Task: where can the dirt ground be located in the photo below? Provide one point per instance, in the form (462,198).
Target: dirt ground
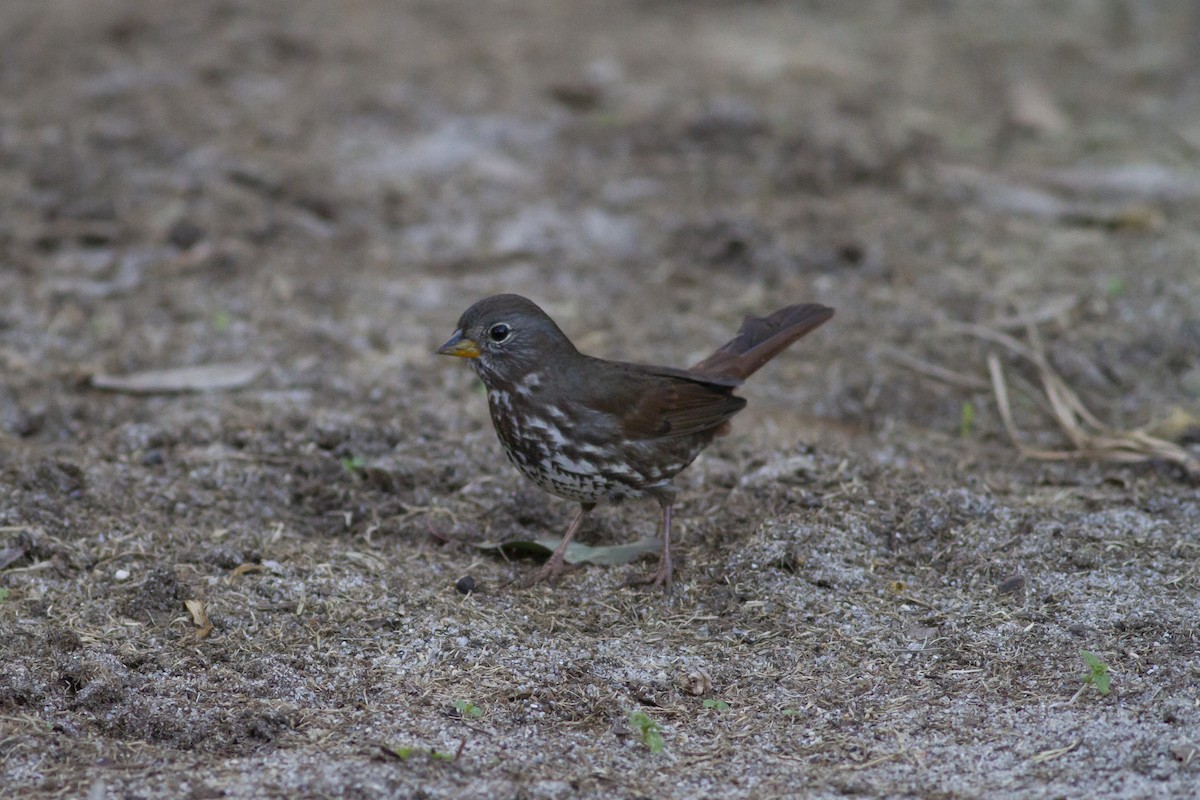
(876,594)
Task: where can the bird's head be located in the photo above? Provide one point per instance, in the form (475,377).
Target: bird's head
(506,336)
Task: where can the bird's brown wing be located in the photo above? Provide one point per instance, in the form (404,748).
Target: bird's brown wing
(661,402)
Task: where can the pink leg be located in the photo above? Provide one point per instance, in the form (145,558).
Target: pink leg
(554,566)
(661,576)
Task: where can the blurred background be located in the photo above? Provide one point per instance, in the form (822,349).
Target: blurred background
(323,189)
(293,201)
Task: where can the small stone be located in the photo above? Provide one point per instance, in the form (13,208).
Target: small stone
(1011,585)
(185,234)
(121,575)
(465,584)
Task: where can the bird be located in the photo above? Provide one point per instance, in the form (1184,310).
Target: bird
(592,430)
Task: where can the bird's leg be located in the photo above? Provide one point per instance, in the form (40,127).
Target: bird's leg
(554,566)
(661,576)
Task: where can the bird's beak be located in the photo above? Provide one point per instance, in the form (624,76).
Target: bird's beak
(460,346)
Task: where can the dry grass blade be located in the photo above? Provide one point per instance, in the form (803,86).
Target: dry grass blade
(1050,310)
(935,371)
(1091,438)
(1053,753)
(990,335)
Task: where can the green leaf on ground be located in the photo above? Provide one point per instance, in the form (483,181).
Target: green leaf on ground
(1097,674)
(467,709)
(609,555)
(401,752)
(407,751)
(647,730)
(966,420)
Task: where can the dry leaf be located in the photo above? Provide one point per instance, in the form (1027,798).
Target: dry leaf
(1179,423)
(1146,181)
(697,683)
(10,555)
(248,567)
(1032,107)
(199,618)
(206,378)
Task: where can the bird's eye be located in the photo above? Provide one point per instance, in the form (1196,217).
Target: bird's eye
(499,332)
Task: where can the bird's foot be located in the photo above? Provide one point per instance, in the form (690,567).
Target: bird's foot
(551,571)
(660,577)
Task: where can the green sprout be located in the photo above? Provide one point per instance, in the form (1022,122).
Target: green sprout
(221,321)
(466,708)
(719,705)
(1115,286)
(966,419)
(403,752)
(1097,674)
(353,463)
(3,595)
(407,751)
(648,730)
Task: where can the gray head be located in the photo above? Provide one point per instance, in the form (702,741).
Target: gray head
(506,336)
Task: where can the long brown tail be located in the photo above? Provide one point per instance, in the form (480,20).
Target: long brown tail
(762,338)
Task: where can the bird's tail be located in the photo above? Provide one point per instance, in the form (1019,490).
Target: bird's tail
(760,339)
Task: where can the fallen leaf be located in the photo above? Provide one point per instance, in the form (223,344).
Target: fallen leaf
(697,682)
(1184,752)
(199,618)
(610,555)
(205,378)
(1032,107)
(1180,423)
(1006,195)
(1146,181)
(11,554)
(789,469)
(919,633)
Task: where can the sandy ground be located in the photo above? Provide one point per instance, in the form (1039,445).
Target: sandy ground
(876,594)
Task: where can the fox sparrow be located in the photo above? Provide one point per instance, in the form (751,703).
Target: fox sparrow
(589,430)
